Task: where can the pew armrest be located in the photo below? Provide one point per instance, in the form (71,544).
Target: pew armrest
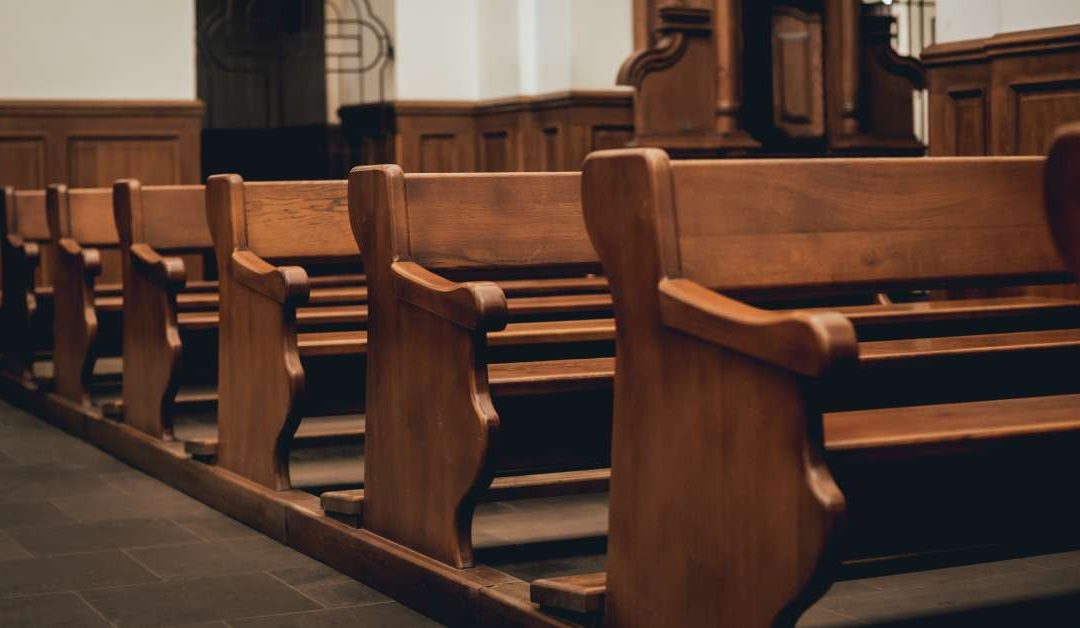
(31,251)
(287,285)
(475,305)
(802,342)
(168,272)
(89,257)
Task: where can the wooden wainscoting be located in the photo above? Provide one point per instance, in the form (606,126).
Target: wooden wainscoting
(93,143)
(531,133)
(1003,95)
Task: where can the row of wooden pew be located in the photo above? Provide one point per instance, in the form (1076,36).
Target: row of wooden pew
(711,341)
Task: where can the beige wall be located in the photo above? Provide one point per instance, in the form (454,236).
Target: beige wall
(972,19)
(97,49)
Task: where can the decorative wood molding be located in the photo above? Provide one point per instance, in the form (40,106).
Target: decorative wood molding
(90,143)
(677,25)
(545,132)
(1005,94)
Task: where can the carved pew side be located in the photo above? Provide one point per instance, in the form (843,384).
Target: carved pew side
(158,226)
(26,311)
(86,284)
(737,404)
(463,406)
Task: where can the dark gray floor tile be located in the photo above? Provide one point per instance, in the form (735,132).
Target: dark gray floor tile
(376,616)
(215,526)
(31,513)
(328,587)
(61,610)
(63,573)
(197,600)
(552,567)
(42,482)
(932,577)
(10,549)
(102,535)
(220,557)
(113,503)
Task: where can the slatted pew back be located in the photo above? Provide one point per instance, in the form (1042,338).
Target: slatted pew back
(846,223)
(25,216)
(431,420)
(503,221)
(86,216)
(299,221)
(716,402)
(169,218)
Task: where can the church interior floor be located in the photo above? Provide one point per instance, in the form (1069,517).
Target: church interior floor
(86,540)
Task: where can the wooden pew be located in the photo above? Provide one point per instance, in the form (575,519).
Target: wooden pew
(167,261)
(26,311)
(276,368)
(463,406)
(723,510)
(87,289)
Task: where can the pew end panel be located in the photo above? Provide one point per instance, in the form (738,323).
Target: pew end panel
(255,227)
(80,226)
(425,320)
(762,527)
(26,311)
(155,225)
(1060,190)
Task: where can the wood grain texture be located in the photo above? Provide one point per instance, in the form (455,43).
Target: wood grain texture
(154,223)
(435,395)
(73,214)
(92,143)
(751,562)
(1005,94)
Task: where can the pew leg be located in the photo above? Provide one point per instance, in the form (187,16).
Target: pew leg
(430,433)
(75,324)
(260,380)
(152,353)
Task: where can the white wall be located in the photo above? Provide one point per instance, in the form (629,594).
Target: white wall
(972,19)
(483,49)
(97,49)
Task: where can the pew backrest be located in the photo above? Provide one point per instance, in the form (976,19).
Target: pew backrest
(24,214)
(170,218)
(846,223)
(298,221)
(82,214)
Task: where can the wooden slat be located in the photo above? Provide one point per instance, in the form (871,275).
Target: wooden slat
(501,220)
(952,422)
(912,348)
(925,311)
(860,221)
(550,376)
(350,502)
(582,593)
(278,211)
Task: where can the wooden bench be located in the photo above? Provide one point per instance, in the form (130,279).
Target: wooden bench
(462,401)
(87,292)
(26,267)
(274,370)
(167,261)
(723,510)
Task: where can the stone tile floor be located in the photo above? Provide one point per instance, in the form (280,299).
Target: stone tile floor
(86,540)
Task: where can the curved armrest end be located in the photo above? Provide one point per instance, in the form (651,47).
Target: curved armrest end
(89,257)
(476,305)
(287,285)
(807,343)
(169,271)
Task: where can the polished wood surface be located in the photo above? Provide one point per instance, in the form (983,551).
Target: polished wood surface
(1005,94)
(432,343)
(155,224)
(548,132)
(746,393)
(89,143)
(730,77)
(84,234)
